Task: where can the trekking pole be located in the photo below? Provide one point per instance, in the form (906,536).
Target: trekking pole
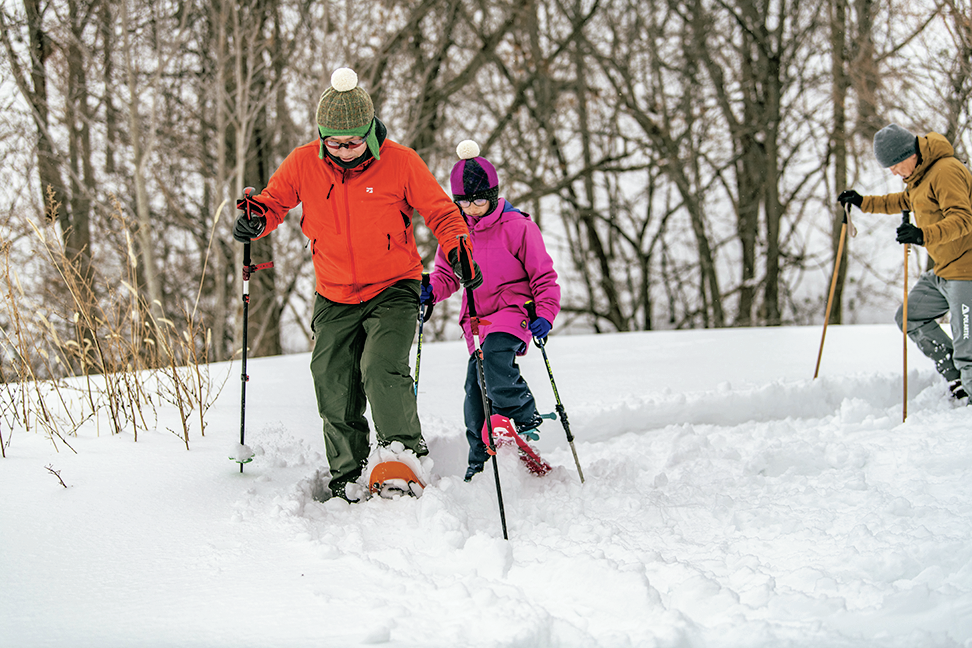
(248,269)
(423,316)
(465,263)
(833,286)
(561,412)
(905,216)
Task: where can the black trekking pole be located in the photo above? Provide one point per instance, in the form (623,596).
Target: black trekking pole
(465,262)
(424,314)
(561,412)
(248,269)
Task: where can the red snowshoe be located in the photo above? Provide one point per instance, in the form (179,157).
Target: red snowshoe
(504,433)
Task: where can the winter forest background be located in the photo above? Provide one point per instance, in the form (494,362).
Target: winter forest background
(682,157)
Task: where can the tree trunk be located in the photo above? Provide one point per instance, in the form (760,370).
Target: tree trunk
(838,31)
(53,193)
(585,209)
(141,144)
(77,234)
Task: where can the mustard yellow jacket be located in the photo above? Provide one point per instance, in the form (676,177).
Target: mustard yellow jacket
(939,194)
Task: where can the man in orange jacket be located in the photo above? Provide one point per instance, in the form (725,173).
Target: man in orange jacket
(358,192)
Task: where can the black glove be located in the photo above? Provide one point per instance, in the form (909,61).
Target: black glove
(246,229)
(475,281)
(251,223)
(908,233)
(850,197)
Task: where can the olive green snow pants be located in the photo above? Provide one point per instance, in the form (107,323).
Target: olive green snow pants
(361,352)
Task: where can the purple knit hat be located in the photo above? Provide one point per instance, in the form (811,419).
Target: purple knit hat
(473,177)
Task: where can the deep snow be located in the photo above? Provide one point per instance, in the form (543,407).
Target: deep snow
(731,500)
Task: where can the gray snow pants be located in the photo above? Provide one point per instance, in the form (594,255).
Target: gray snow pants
(930,298)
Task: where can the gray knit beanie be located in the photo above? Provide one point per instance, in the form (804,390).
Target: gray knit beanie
(893,144)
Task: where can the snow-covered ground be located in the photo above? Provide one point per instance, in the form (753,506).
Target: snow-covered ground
(731,500)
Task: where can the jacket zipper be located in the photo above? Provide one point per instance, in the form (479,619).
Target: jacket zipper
(347,221)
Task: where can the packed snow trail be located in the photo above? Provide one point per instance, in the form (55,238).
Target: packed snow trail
(743,505)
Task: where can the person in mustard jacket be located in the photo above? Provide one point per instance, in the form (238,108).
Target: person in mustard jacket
(938,191)
(359,191)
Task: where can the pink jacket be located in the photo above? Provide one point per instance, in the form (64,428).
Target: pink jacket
(516,268)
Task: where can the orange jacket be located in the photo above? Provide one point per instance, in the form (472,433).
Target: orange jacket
(359,221)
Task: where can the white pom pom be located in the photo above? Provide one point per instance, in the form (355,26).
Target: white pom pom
(344,79)
(467,150)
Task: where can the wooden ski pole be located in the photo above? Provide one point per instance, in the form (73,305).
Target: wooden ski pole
(833,286)
(905,215)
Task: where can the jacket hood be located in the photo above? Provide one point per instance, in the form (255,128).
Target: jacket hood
(933,147)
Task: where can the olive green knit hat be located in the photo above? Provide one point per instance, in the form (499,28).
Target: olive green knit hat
(345,109)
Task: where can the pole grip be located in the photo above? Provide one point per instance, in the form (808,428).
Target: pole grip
(466,265)
(247,194)
(465,259)
(905,216)
(425,310)
(531,309)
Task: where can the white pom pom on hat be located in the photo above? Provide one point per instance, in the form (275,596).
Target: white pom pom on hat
(467,150)
(344,79)
(473,175)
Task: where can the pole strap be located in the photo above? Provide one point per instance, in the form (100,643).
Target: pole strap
(253,267)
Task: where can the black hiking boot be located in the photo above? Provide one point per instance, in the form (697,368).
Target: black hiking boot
(957,390)
(349,491)
(474,469)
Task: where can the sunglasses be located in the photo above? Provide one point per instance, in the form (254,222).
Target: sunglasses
(350,144)
(479,202)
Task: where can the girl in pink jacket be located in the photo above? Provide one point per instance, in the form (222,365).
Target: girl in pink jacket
(516,268)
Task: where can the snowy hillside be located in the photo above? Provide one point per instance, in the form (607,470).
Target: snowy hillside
(730,500)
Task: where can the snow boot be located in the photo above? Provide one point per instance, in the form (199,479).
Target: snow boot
(957,390)
(529,430)
(473,470)
(349,491)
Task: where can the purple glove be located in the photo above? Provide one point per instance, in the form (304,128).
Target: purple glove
(540,327)
(427,297)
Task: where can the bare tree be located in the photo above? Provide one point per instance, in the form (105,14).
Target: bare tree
(31,78)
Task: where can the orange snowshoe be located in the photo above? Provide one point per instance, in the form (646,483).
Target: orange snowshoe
(391,478)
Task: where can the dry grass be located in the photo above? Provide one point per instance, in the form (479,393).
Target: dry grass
(86,349)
